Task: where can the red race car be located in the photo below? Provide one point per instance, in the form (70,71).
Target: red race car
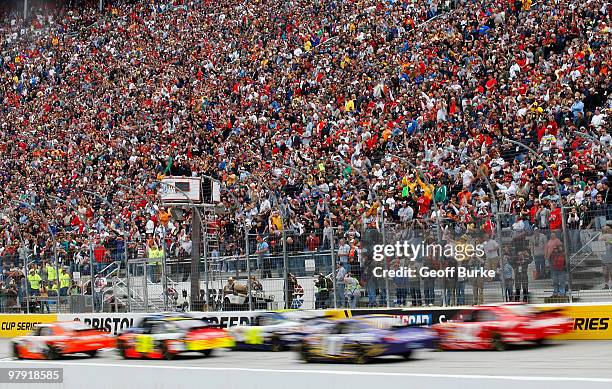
(493,327)
(51,341)
(166,336)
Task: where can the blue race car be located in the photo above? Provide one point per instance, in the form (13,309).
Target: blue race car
(362,338)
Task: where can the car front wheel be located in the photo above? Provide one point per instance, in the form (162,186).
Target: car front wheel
(166,354)
(52,353)
(497,343)
(305,352)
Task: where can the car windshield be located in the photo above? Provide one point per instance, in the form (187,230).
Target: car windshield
(382,322)
(267,320)
(520,309)
(189,324)
(75,326)
(463,316)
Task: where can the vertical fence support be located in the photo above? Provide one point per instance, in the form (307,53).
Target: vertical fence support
(127,275)
(285,268)
(195,259)
(91,277)
(248,265)
(146,286)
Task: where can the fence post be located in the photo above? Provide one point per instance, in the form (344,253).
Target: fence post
(91,277)
(146,286)
(127,274)
(248,264)
(333,258)
(285,268)
(384,241)
(567,254)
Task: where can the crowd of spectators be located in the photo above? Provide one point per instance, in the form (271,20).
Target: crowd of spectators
(393,110)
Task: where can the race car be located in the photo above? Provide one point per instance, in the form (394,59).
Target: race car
(494,327)
(166,336)
(52,341)
(272,331)
(360,339)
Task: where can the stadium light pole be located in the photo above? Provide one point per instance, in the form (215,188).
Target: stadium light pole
(329,219)
(199,229)
(339,160)
(125,249)
(246,237)
(283,234)
(534,153)
(195,279)
(495,211)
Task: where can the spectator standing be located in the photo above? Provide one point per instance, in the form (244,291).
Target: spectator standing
(556,257)
(263,257)
(340,286)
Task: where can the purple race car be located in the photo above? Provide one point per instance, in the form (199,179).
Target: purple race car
(363,338)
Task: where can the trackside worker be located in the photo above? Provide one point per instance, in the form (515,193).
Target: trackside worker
(64,282)
(156,253)
(51,273)
(34,280)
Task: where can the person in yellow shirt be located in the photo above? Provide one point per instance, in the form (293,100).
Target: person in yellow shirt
(428,189)
(64,282)
(164,216)
(34,279)
(51,273)
(349,106)
(276,220)
(154,252)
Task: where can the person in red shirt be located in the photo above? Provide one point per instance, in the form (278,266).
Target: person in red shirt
(555,221)
(313,242)
(423,203)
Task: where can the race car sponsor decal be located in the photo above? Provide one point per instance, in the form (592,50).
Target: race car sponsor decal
(418,317)
(253,335)
(144,344)
(590,321)
(21,324)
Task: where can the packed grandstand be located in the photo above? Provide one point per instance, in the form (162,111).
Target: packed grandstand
(330,124)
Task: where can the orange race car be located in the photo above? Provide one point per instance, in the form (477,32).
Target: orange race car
(51,341)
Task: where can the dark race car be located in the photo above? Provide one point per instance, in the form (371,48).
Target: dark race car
(360,339)
(493,327)
(166,336)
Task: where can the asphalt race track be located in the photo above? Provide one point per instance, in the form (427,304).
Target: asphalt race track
(569,364)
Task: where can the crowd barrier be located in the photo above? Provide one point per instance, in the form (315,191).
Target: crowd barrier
(591,321)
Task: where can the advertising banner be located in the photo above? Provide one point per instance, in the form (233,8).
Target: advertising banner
(590,321)
(21,324)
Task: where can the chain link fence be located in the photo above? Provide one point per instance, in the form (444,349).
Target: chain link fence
(445,262)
